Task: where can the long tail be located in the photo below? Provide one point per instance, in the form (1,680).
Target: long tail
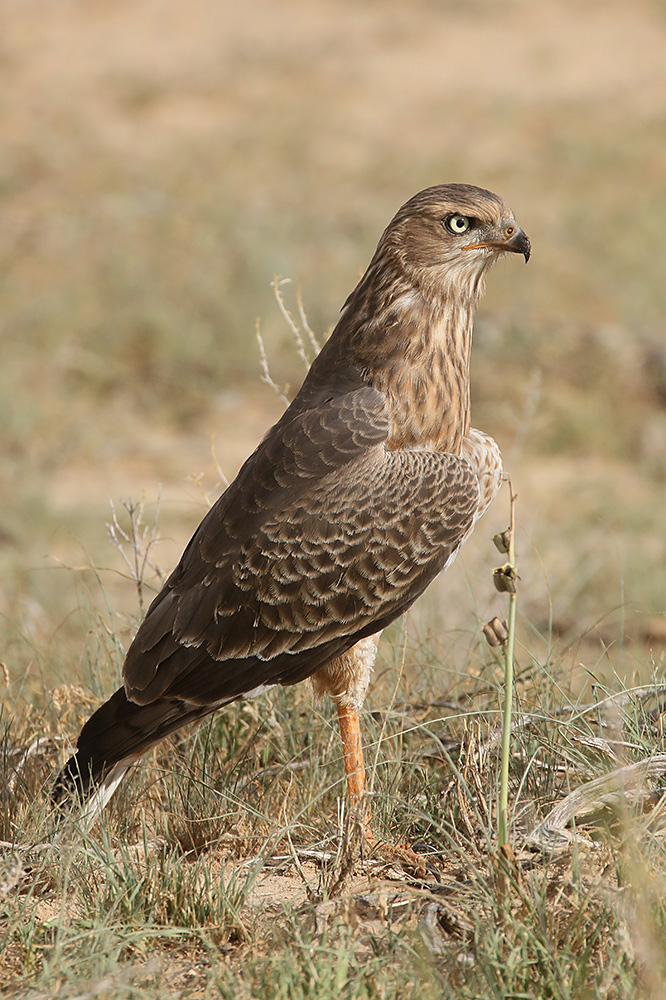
(112,738)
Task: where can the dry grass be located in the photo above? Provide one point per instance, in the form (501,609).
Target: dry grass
(226,866)
(217,870)
(161,162)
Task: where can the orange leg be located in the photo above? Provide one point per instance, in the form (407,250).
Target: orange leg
(352,748)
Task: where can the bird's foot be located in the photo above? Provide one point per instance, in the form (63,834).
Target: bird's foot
(402,856)
(362,842)
(397,855)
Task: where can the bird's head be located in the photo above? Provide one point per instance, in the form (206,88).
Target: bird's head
(446,237)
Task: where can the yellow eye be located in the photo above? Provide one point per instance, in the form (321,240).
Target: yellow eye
(457,224)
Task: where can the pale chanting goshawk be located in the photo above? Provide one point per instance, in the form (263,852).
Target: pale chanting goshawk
(354,501)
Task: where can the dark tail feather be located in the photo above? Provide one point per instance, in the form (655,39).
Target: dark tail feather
(118,730)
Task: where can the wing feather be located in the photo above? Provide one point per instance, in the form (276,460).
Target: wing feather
(324,537)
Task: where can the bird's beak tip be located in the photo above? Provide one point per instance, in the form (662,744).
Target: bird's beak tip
(519,243)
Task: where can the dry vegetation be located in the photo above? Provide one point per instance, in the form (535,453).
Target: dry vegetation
(160,163)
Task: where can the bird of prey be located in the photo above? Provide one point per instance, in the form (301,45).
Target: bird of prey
(351,505)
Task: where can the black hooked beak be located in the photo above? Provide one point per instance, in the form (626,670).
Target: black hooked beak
(518,243)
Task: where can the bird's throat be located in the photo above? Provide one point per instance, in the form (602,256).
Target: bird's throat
(424,376)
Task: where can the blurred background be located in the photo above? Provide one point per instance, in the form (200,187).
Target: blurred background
(161,162)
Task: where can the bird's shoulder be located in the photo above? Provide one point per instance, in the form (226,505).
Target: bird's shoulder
(322,431)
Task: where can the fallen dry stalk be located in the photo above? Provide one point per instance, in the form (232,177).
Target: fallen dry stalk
(616,791)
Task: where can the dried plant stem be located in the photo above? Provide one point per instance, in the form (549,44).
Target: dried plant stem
(298,336)
(140,541)
(503,820)
(265,372)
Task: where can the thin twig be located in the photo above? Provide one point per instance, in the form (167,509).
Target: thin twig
(314,343)
(265,373)
(140,539)
(503,828)
(298,336)
(223,478)
(312,896)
